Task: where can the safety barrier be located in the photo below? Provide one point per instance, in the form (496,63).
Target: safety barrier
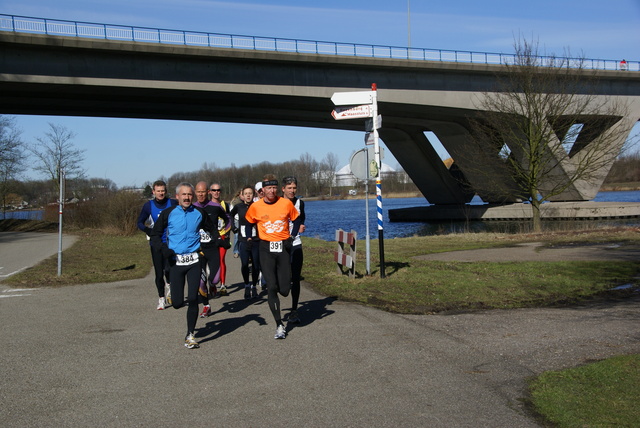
(346,243)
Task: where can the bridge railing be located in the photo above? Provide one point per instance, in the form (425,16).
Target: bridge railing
(55,27)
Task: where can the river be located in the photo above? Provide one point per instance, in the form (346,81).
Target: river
(324,217)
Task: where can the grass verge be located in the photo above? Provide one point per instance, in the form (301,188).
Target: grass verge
(95,257)
(416,286)
(601,394)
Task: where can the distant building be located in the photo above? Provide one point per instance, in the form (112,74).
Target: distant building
(344,177)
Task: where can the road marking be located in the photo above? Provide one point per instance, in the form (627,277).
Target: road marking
(10,292)
(12,273)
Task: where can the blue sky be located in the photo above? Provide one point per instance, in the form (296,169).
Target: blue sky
(114,147)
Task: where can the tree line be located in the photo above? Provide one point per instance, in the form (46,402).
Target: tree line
(315,178)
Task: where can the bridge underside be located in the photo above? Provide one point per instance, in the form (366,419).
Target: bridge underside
(75,77)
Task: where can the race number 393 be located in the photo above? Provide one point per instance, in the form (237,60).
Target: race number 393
(186,259)
(275,247)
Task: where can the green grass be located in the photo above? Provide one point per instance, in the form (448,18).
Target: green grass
(95,257)
(602,394)
(418,286)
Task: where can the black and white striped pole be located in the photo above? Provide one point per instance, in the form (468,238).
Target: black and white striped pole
(376,149)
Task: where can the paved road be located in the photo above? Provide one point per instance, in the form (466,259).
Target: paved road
(19,250)
(102,355)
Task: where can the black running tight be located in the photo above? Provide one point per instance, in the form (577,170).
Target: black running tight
(276,269)
(178,274)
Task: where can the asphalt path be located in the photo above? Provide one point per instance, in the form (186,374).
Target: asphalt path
(19,250)
(101,354)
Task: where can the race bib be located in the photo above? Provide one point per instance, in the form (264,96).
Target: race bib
(186,259)
(275,247)
(204,236)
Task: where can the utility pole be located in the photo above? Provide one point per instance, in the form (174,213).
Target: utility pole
(60,206)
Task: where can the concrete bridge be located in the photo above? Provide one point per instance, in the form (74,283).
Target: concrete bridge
(71,76)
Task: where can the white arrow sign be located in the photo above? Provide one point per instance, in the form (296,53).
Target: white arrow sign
(352,112)
(352,98)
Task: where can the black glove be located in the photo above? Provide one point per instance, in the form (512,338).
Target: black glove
(288,244)
(167,252)
(224,243)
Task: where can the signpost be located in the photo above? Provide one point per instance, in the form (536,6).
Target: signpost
(360,167)
(363,104)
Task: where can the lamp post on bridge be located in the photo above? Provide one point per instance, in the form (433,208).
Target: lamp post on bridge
(409,23)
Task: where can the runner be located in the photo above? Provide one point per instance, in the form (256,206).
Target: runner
(147,218)
(248,240)
(210,257)
(296,227)
(224,227)
(272,215)
(182,225)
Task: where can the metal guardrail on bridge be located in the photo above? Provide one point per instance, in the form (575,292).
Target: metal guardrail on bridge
(55,27)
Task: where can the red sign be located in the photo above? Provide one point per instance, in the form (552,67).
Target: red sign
(352,112)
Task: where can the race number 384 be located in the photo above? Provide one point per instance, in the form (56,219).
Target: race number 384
(186,259)
(275,247)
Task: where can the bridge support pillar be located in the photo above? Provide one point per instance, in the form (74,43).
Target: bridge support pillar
(413,151)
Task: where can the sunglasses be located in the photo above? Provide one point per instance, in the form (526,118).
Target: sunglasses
(215,190)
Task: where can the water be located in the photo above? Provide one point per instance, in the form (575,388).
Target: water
(324,217)
(622,196)
(24,214)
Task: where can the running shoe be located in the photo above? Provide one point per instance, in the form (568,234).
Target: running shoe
(280,332)
(206,311)
(213,292)
(190,341)
(160,304)
(167,294)
(254,292)
(223,290)
(247,293)
(293,317)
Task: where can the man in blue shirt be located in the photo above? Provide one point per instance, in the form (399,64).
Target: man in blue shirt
(147,218)
(182,225)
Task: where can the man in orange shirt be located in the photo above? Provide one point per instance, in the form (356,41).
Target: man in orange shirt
(272,215)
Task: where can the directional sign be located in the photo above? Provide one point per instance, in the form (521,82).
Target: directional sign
(352,112)
(352,98)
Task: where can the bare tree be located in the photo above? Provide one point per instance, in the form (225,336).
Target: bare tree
(305,169)
(11,156)
(544,134)
(328,167)
(56,152)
